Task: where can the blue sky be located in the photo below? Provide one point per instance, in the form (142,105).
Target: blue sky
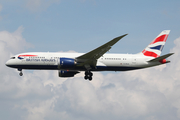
(82,25)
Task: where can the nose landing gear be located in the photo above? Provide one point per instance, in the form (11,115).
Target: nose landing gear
(88,75)
(21,74)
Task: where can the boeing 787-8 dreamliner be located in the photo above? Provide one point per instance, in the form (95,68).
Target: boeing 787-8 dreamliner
(69,64)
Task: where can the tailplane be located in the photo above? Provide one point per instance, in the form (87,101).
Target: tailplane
(154,49)
(161,59)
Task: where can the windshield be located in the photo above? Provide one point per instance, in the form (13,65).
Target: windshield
(12,58)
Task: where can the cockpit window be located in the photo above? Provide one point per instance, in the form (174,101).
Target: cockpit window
(12,57)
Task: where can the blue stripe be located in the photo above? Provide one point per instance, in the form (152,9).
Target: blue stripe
(159,47)
(54,67)
(38,67)
(112,68)
(20,58)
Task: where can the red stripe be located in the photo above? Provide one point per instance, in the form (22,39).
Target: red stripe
(161,38)
(151,54)
(27,55)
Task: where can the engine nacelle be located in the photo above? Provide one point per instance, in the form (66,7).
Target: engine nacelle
(65,73)
(66,63)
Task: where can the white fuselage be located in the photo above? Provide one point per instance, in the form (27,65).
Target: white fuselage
(69,64)
(108,62)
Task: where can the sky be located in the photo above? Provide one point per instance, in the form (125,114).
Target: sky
(80,26)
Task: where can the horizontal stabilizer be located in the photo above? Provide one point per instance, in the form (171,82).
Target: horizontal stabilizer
(161,58)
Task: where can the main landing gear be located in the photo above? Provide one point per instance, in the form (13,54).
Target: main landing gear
(21,74)
(88,75)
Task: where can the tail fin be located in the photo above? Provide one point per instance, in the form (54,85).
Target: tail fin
(154,49)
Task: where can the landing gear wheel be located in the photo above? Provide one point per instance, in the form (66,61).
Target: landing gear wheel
(21,74)
(85,77)
(90,78)
(88,75)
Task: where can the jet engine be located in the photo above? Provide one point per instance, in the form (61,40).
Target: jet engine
(66,63)
(65,73)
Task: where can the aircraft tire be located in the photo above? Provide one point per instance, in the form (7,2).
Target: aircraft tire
(90,78)
(86,77)
(21,74)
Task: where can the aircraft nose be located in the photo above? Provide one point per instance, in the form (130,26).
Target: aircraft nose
(8,63)
(11,63)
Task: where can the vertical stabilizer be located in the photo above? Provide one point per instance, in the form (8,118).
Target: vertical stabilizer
(154,49)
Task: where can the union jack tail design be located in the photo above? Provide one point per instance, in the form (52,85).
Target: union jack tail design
(154,49)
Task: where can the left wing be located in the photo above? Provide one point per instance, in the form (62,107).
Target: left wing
(89,59)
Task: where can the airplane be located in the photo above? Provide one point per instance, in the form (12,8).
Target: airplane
(70,64)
